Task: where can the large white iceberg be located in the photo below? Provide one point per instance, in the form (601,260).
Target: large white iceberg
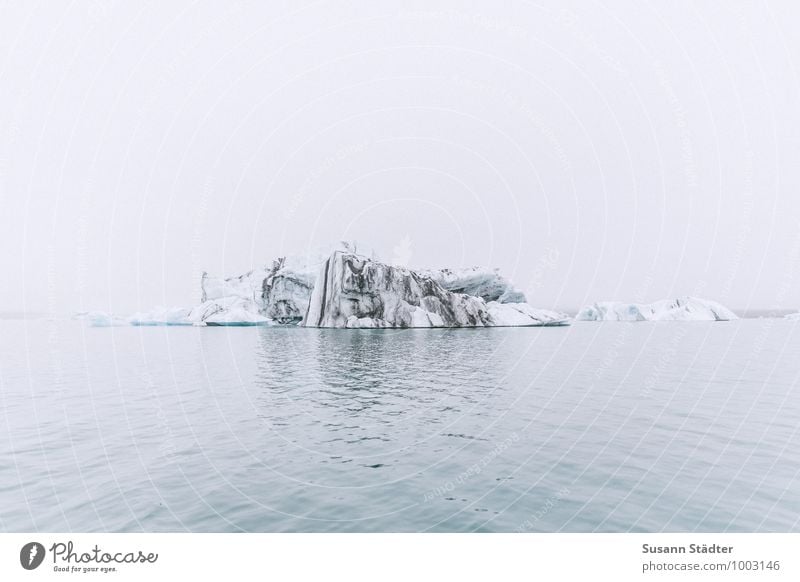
(681,309)
(792,317)
(354,291)
(348,289)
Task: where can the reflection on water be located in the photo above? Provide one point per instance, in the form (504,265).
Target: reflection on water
(608,427)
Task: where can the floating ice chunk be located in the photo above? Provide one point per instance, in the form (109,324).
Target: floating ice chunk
(102,319)
(682,309)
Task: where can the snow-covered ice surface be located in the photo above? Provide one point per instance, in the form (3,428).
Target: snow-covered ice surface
(682,309)
(355,291)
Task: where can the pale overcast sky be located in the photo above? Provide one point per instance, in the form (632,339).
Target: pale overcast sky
(591,150)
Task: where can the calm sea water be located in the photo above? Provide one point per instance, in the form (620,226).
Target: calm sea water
(594,427)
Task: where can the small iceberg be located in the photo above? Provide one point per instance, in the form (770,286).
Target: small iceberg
(681,309)
(101,319)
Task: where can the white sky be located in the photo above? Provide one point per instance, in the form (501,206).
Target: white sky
(614,150)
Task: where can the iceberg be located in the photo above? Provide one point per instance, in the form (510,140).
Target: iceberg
(792,317)
(353,291)
(681,309)
(101,319)
(350,290)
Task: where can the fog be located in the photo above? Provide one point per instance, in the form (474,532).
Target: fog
(591,151)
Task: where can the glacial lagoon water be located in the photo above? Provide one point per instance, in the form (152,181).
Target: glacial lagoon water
(595,427)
